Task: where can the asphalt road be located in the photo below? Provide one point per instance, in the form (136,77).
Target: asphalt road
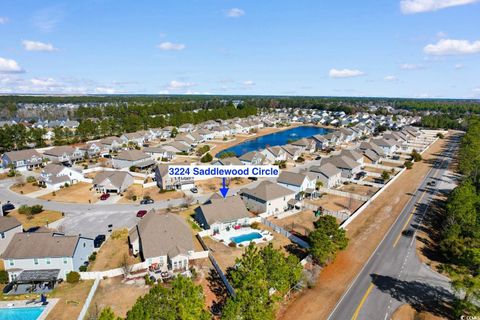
(394,275)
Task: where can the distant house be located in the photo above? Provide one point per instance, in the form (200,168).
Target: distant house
(186,127)
(353,154)
(388,146)
(267,197)
(22,160)
(253,158)
(328,174)
(92,149)
(112,143)
(9,226)
(223,213)
(167,182)
(159,153)
(274,154)
(137,138)
(112,181)
(55,176)
(227,161)
(178,147)
(163,240)
(297,182)
(348,166)
(63,154)
(293,152)
(321,142)
(133,158)
(60,254)
(306,144)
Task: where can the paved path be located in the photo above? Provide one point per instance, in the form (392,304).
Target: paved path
(393,275)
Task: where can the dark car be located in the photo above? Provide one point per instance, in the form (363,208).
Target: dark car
(147,201)
(105,196)
(97,242)
(408,233)
(318,158)
(141,213)
(194,190)
(432,183)
(8,207)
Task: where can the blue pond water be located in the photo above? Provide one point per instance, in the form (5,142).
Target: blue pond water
(31,313)
(275,139)
(246,237)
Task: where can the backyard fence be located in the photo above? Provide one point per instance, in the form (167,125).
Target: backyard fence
(344,194)
(86,305)
(342,215)
(285,233)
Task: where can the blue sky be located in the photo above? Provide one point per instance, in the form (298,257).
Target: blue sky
(396,48)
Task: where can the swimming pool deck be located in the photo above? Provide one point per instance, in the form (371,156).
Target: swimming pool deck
(225,236)
(23,304)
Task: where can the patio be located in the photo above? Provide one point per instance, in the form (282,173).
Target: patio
(225,236)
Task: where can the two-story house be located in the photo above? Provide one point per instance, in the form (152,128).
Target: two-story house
(22,160)
(167,182)
(9,226)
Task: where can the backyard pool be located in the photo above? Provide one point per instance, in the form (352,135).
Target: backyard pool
(29,313)
(246,237)
(276,139)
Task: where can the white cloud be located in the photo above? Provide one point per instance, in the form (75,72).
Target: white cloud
(248,83)
(345,73)
(179,85)
(459,66)
(9,66)
(417,6)
(235,13)
(390,78)
(44,82)
(4,20)
(105,90)
(452,47)
(47,18)
(411,66)
(169,46)
(37,46)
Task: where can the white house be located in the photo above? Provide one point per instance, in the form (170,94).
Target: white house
(348,166)
(267,198)
(297,182)
(328,174)
(9,226)
(132,158)
(55,176)
(33,251)
(112,181)
(163,240)
(274,154)
(64,154)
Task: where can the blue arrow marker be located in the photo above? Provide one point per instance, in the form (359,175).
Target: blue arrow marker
(224,189)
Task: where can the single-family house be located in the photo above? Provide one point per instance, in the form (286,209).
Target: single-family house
(388,146)
(112,143)
(133,158)
(220,214)
(112,181)
(163,240)
(136,138)
(329,175)
(178,147)
(293,152)
(168,182)
(186,127)
(275,154)
(29,252)
(306,144)
(159,153)
(92,149)
(267,198)
(354,154)
(22,160)
(63,154)
(253,158)
(227,162)
(56,176)
(300,183)
(321,142)
(347,165)
(9,226)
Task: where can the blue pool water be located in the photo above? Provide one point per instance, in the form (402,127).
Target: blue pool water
(246,237)
(30,313)
(276,139)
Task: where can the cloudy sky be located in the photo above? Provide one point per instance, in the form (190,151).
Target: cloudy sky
(396,48)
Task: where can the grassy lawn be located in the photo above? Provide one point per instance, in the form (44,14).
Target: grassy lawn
(153,192)
(117,295)
(81,192)
(37,220)
(72,297)
(113,252)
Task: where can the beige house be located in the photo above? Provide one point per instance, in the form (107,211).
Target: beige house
(268,197)
(167,182)
(112,181)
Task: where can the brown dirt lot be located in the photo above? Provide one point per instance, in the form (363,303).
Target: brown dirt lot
(38,220)
(336,203)
(25,188)
(365,233)
(214,184)
(116,294)
(153,192)
(392,164)
(72,297)
(77,193)
(301,222)
(359,189)
(406,312)
(375,170)
(113,252)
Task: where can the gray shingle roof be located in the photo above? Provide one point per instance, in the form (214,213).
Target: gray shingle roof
(224,209)
(267,190)
(8,223)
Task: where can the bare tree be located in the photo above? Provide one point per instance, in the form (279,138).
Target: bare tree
(126,266)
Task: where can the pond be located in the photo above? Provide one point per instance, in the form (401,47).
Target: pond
(276,139)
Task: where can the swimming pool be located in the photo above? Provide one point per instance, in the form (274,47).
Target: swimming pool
(246,237)
(29,313)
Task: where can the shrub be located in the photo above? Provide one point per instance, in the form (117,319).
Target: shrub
(73,277)
(300,160)
(3,276)
(440,135)
(148,281)
(36,208)
(255,225)
(232,244)
(134,197)
(24,209)
(66,185)
(416,156)
(92,257)
(83,268)
(11,173)
(408,164)
(132,169)
(206,158)
(31,179)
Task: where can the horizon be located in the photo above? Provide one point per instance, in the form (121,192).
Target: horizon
(404,49)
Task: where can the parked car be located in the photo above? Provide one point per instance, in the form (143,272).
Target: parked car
(105,196)
(194,190)
(147,201)
(7,207)
(141,213)
(97,242)
(432,183)
(408,232)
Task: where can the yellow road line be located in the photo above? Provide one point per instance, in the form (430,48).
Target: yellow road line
(364,298)
(407,222)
